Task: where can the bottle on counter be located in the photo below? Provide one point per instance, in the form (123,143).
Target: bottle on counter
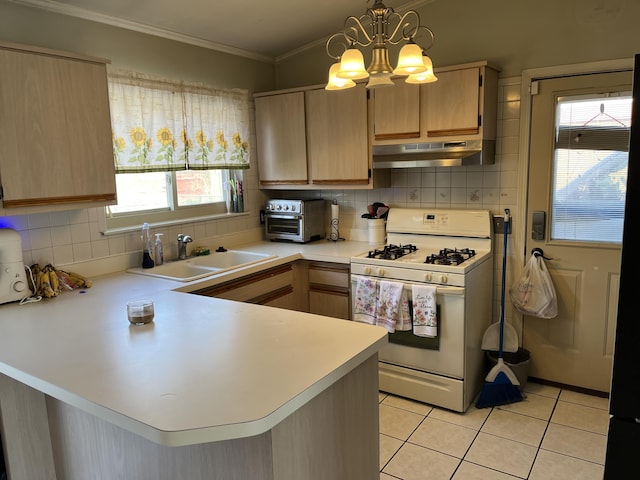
(158,252)
(147,261)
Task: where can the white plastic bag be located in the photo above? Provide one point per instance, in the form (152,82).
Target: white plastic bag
(534,294)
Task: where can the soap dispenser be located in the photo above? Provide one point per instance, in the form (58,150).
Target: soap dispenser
(158,252)
(147,261)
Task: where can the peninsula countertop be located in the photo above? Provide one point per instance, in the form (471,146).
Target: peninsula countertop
(204,370)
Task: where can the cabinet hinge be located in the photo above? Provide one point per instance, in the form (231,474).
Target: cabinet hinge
(479,120)
(1,192)
(369,173)
(480,82)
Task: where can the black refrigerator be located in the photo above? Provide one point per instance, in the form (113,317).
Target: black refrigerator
(623,443)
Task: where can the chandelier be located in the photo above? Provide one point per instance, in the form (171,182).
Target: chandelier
(378,28)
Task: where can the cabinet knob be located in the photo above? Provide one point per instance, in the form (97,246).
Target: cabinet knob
(444,279)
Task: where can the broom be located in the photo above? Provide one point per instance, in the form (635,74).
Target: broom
(501,385)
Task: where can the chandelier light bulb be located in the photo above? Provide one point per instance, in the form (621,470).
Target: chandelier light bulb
(352,65)
(425,77)
(410,60)
(336,83)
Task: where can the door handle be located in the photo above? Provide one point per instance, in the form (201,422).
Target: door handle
(538,225)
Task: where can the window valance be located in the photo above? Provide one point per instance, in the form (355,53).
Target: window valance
(163,125)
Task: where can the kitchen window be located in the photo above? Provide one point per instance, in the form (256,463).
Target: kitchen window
(179,150)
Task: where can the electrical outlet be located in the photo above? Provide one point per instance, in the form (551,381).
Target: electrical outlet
(498,224)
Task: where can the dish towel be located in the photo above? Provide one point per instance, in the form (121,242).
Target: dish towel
(425,321)
(364,308)
(404,322)
(388,308)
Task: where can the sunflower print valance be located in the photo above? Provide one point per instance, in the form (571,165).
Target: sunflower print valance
(160,125)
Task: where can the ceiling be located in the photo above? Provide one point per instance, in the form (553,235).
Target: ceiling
(262,29)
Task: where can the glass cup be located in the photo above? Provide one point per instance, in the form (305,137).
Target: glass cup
(140,312)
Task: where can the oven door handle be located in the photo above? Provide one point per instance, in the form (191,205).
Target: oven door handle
(440,290)
(286,217)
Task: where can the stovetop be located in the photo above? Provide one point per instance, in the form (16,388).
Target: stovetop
(446,256)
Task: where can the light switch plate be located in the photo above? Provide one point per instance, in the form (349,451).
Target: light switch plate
(498,224)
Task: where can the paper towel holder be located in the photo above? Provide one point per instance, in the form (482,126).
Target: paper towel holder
(334,235)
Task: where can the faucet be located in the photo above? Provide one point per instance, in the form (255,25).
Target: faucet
(182,245)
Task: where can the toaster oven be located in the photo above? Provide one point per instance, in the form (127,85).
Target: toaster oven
(298,221)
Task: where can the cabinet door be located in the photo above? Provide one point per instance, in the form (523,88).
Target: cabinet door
(55,130)
(281,139)
(451,105)
(337,136)
(261,287)
(396,111)
(329,290)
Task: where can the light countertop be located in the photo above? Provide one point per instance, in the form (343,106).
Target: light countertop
(206,369)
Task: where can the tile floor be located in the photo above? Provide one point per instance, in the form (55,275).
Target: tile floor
(552,434)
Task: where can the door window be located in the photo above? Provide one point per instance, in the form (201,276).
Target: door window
(590,167)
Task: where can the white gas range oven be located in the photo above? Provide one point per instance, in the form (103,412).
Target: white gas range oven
(451,250)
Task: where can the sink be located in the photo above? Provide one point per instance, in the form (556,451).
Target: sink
(229,259)
(195,268)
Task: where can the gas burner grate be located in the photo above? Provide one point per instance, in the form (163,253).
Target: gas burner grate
(450,256)
(392,252)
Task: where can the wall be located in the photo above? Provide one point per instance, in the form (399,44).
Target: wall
(73,236)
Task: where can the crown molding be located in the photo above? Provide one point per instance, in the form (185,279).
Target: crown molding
(78,12)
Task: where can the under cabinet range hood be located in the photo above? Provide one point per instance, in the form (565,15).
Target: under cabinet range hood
(435,154)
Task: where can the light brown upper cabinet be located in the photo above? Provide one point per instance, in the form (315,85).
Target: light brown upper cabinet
(55,130)
(311,138)
(397,111)
(338,151)
(281,139)
(461,105)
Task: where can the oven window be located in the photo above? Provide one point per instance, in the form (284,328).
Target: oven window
(283,225)
(408,339)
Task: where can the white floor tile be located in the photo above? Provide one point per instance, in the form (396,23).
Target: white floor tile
(514,426)
(384,476)
(553,466)
(583,399)
(472,418)
(501,454)
(444,437)
(471,471)
(406,404)
(388,448)
(413,462)
(397,422)
(578,416)
(536,406)
(575,443)
(544,390)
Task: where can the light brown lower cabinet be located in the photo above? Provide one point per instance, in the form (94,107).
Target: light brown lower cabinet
(329,289)
(274,287)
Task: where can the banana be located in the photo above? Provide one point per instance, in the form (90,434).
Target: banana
(53,279)
(46,285)
(38,288)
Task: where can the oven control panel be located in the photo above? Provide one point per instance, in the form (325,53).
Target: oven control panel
(435,219)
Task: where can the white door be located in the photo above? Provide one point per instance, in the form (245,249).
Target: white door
(577,182)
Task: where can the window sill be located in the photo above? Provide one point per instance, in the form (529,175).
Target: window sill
(219,216)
